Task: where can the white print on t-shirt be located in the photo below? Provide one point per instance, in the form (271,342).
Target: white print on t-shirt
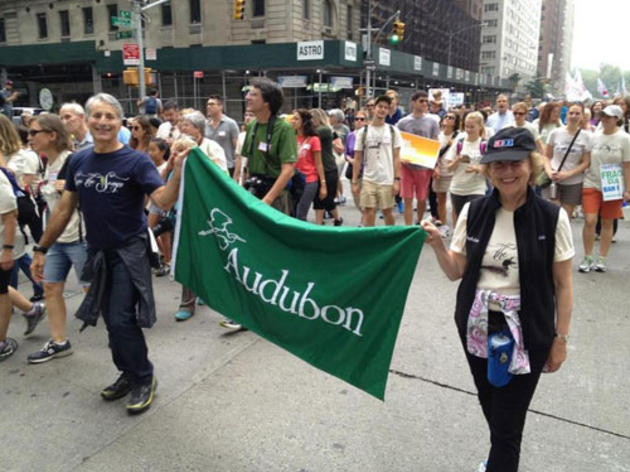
(108,183)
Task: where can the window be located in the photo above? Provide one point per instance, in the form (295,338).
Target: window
(491,23)
(88,20)
(3,34)
(306,9)
(167,15)
(64,20)
(491,7)
(259,8)
(349,21)
(112,10)
(488,54)
(489,39)
(195,11)
(328,13)
(42,25)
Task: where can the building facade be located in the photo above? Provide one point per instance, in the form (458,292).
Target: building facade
(197,48)
(433,28)
(556,38)
(509,38)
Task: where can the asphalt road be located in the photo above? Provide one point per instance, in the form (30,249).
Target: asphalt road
(234,402)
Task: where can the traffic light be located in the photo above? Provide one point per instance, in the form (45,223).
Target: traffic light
(399,30)
(239,9)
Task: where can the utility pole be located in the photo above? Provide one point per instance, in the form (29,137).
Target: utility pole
(139,7)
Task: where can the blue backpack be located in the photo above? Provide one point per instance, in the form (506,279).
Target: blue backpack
(150,106)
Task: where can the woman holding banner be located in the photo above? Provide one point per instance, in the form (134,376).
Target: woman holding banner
(513,251)
(604,181)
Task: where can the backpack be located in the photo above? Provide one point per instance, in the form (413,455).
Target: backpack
(150,106)
(482,146)
(364,139)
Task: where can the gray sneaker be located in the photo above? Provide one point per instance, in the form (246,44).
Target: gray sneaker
(7,348)
(50,350)
(586,265)
(230,324)
(33,317)
(600,266)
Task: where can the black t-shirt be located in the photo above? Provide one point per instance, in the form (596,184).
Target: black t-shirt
(326,137)
(111,189)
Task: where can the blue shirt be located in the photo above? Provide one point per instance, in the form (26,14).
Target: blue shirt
(497,121)
(111,189)
(124,135)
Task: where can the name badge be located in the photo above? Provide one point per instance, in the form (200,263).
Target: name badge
(222,133)
(262,146)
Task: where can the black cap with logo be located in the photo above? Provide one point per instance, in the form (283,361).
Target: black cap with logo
(509,144)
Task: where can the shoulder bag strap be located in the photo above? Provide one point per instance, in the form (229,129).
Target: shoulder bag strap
(566,154)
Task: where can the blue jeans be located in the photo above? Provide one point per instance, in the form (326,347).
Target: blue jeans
(24,264)
(126,340)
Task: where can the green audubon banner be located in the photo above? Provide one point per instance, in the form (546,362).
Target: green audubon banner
(334,297)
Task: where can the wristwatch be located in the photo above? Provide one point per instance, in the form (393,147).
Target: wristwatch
(41,249)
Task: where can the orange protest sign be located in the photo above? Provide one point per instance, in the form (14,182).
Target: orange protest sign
(419,150)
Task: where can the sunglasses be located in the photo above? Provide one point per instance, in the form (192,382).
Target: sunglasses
(423,100)
(34,132)
(519,113)
(136,128)
(370,105)
(359,119)
(449,117)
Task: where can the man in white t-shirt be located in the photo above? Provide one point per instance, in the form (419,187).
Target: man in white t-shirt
(381,175)
(168,129)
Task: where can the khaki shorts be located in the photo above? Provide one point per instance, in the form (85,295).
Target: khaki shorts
(442,184)
(376,195)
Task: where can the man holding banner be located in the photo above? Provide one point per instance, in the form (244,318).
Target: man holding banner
(414,178)
(110,181)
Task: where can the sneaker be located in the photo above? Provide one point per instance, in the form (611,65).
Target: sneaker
(50,350)
(183,315)
(33,317)
(600,266)
(230,324)
(586,265)
(163,270)
(401,207)
(120,388)
(338,222)
(7,348)
(37,298)
(141,397)
(482,467)
(341,200)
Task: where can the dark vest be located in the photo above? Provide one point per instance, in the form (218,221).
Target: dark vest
(535,227)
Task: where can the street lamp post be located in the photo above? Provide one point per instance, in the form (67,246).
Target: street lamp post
(139,7)
(453,33)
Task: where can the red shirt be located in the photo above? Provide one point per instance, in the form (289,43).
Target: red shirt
(306,159)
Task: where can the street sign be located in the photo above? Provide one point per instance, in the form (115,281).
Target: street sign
(124,34)
(310,50)
(118,21)
(198,74)
(131,54)
(150,54)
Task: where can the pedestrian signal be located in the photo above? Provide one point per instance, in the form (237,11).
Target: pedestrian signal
(239,9)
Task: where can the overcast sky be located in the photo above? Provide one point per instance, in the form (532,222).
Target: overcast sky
(598,23)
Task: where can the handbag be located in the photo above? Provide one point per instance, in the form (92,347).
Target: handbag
(543,180)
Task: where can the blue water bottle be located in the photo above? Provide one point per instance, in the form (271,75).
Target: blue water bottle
(500,347)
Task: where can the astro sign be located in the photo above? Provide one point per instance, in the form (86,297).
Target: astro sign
(310,50)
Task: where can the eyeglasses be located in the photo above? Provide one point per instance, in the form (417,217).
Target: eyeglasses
(370,105)
(423,100)
(449,117)
(33,132)
(519,113)
(358,118)
(136,128)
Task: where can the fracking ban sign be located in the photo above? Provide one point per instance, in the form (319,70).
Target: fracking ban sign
(332,296)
